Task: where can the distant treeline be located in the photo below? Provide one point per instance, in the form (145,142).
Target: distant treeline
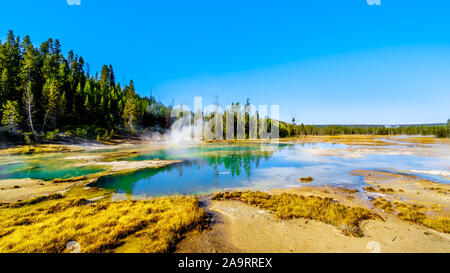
(43,92)
(291,130)
(294,130)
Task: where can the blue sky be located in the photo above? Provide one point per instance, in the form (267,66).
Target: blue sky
(322,61)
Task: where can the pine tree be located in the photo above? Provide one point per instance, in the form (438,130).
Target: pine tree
(11,63)
(130,111)
(111,78)
(11,117)
(51,97)
(104,78)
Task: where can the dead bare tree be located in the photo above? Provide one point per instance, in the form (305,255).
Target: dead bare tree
(29,102)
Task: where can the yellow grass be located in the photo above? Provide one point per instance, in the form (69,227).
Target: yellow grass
(342,139)
(414,213)
(47,225)
(349,191)
(423,140)
(37,149)
(436,189)
(380,189)
(308,179)
(289,206)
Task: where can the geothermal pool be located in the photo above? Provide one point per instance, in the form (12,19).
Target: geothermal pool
(207,168)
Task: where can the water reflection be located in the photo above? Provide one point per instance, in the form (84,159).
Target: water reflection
(208,168)
(203,169)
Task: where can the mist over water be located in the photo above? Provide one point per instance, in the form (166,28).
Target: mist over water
(185,133)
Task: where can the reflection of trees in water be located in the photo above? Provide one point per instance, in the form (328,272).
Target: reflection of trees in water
(190,163)
(235,159)
(126,182)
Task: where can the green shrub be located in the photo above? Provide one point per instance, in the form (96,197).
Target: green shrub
(28,138)
(52,135)
(81,132)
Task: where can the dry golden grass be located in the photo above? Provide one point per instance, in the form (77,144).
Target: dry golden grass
(47,225)
(383,204)
(379,189)
(32,201)
(289,206)
(422,140)
(37,149)
(308,179)
(436,189)
(349,191)
(414,213)
(371,140)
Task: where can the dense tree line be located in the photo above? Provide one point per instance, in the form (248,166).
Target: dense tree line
(42,91)
(293,130)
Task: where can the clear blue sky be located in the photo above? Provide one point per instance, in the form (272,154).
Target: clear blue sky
(322,61)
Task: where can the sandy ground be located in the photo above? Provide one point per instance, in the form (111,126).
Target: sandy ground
(116,166)
(409,188)
(247,229)
(13,190)
(238,227)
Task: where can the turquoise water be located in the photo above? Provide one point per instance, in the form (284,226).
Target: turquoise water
(209,168)
(43,167)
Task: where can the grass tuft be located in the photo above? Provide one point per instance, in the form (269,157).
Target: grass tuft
(36,149)
(308,179)
(349,191)
(32,201)
(380,189)
(414,213)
